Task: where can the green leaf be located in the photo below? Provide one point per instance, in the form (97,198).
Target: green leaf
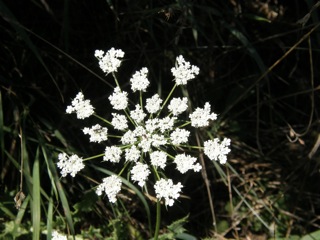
(36,198)
(88,201)
(16,229)
(62,196)
(50,218)
(312,236)
(1,129)
(177,226)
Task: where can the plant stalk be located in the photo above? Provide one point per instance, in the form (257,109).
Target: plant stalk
(156,232)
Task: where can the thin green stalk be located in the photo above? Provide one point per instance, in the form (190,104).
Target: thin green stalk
(93,157)
(115,79)
(102,119)
(167,99)
(158,219)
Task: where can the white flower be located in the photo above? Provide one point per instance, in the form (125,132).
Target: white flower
(140,173)
(132,154)
(217,150)
(167,190)
(119,121)
(186,162)
(128,138)
(119,100)
(158,140)
(137,115)
(201,116)
(110,61)
(97,133)
(98,54)
(158,159)
(139,80)
(112,154)
(58,236)
(69,164)
(111,186)
(82,107)
(145,143)
(140,131)
(184,71)
(153,104)
(166,123)
(179,136)
(178,105)
(152,124)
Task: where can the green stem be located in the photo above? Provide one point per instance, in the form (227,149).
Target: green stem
(156,232)
(167,99)
(115,79)
(102,119)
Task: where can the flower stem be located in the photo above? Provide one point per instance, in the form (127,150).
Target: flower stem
(158,219)
(168,97)
(102,119)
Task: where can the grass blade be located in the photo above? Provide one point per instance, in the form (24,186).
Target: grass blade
(62,196)
(36,198)
(50,218)
(1,128)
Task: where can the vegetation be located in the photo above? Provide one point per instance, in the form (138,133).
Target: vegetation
(258,65)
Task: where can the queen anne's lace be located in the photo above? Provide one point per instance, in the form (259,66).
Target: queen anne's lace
(140,173)
(158,159)
(80,106)
(217,150)
(148,137)
(153,104)
(111,186)
(167,190)
(97,133)
(178,105)
(201,116)
(112,154)
(69,164)
(139,80)
(184,71)
(118,99)
(186,162)
(109,61)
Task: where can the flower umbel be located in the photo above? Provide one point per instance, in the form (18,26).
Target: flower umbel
(149,134)
(201,116)
(119,99)
(184,71)
(139,80)
(186,162)
(69,165)
(140,173)
(80,106)
(167,190)
(217,150)
(97,133)
(109,61)
(111,186)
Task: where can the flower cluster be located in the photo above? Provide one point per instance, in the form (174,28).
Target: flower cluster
(69,164)
(145,133)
